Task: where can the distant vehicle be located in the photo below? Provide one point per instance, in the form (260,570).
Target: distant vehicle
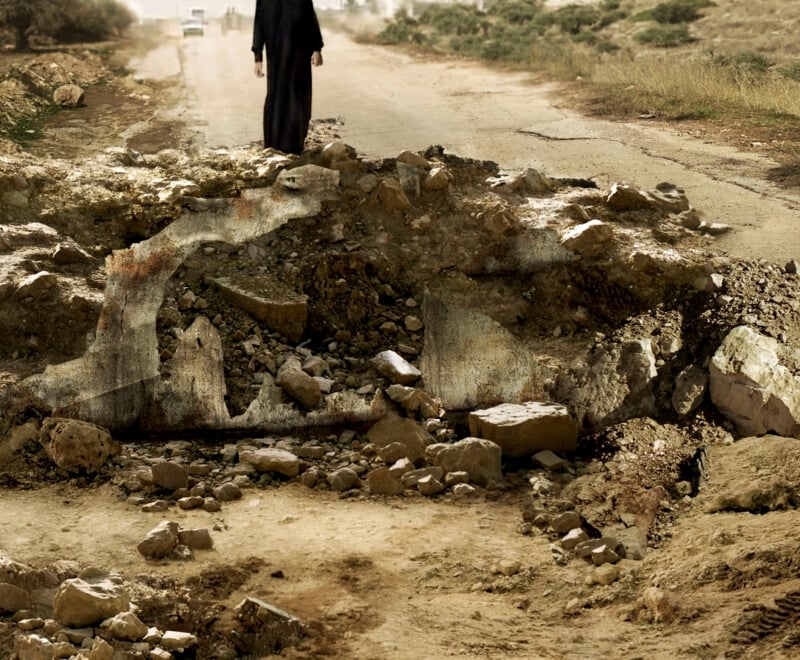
(198,12)
(193,26)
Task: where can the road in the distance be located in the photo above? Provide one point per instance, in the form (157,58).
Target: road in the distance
(391,101)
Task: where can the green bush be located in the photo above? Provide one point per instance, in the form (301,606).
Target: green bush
(402,30)
(664,36)
(453,19)
(517,11)
(674,11)
(89,20)
(572,18)
(746,62)
(791,70)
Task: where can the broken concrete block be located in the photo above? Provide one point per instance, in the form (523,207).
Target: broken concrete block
(282,311)
(523,429)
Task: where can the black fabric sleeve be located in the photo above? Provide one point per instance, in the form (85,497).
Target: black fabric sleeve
(315,35)
(258,33)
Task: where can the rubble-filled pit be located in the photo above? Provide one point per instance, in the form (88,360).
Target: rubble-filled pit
(656,533)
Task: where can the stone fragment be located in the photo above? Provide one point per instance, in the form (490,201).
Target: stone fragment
(401,467)
(565,522)
(211,505)
(66,254)
(573,537)
(125,626)
(392,452)
(584,550)
(196,539)
(298,384)
(155,507)
(661,606)
(606,574)
(585,238)
(68,96)
(170,475)
(412,478)
(478,457)
(381,482)
(548,460)
(690,389)
(438,179)
(409,176)
(464,491)
(266,628)
(603,555)
(344,479)
(13,598)
(33,647)
(396,368)
(80,602)
(190,502)
(429,485)
(414,400)
(159,541)
(458,477)
(271,459)
(391,428)
(315,366)
(228,492)
(30,624)
(523,429)
(792,267)
(753,385)
(160,654)
(413,159)
(391,195)
(173,640)
(75,445)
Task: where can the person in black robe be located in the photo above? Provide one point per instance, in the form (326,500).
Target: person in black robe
(290,32)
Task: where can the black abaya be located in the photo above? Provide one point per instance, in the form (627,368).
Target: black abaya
(290,31)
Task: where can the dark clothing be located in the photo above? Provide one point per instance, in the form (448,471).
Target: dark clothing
(290,31)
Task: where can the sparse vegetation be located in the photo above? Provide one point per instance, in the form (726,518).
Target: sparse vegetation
(637,56)
(664,36)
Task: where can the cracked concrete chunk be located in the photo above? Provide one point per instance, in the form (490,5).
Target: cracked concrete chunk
(524,429)
(283,311)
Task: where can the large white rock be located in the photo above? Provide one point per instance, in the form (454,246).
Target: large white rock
(751,387)
(524,429)
(81,603)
